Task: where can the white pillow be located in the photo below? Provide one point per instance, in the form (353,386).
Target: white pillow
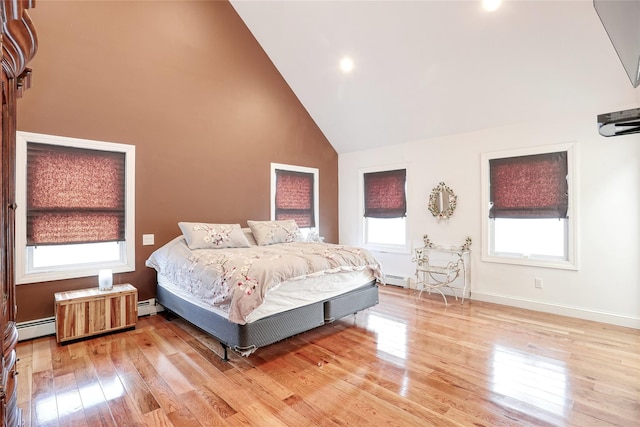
(270,232)
(213,236)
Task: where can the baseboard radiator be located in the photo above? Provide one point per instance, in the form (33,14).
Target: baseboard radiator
(47,326)
(391,279)
(149,307)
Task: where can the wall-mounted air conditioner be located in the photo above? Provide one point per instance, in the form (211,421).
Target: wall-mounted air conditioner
(619,123)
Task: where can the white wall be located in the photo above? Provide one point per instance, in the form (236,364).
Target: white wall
(606,286)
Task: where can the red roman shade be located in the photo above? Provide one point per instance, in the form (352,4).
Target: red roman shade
(295,197)
(74,195)
(531,187)
(384,194)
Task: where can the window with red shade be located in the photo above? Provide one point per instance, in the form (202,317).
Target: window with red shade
(77,200)
(74,195)
(384,194)
(528,209)
(385,209)
(531,186)
(294,195)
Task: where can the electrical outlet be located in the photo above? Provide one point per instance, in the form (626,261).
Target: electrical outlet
(538,283)
(148,239)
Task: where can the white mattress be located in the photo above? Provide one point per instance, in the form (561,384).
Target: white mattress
(289,294)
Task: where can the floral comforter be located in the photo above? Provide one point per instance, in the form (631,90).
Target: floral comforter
(237,279)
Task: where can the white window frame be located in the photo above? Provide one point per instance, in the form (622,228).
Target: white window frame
(571,263)
(25,274)
(316,192)
(379,247)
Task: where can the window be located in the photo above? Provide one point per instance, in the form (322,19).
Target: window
(385,209)
(528,207)
(77,215)
(294,195)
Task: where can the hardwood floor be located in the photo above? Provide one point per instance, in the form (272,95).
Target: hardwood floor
(405,362)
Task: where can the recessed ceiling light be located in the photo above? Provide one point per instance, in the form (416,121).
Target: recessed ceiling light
(491,5)
(346,64)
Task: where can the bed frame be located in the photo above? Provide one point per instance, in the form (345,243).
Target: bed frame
(245,339)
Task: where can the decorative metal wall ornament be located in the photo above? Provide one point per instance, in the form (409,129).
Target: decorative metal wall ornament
(442,201)
(467,245)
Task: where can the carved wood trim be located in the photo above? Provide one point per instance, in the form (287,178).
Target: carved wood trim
(19,43)
(19,38)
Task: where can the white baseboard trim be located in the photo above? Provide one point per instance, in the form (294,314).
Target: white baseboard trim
(563,310)
(47,326)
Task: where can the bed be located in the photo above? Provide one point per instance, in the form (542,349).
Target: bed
(251,287)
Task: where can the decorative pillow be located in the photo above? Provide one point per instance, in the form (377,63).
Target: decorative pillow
(270,232)
(213,236)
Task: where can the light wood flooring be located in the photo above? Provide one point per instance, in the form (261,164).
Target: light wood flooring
(405,362)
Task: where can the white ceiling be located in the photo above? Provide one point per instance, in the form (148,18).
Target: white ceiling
(431,68)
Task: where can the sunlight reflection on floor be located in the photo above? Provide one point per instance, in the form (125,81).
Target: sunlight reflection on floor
(530,378)
(392,335)
(112,388)
(391,343)
(45,410)
(76,400)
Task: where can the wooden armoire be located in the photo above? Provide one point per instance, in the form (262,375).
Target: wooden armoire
(19,43)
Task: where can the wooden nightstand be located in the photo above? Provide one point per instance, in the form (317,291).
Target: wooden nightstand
(88,312)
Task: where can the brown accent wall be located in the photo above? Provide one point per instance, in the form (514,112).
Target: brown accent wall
(189,86)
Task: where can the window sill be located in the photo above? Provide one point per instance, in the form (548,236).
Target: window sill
(71,273)
(394,249)
(532,262)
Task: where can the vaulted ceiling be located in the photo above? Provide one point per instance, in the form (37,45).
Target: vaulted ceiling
(425,69)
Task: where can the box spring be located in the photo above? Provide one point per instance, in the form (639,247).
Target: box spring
(349,303)
(248,337)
